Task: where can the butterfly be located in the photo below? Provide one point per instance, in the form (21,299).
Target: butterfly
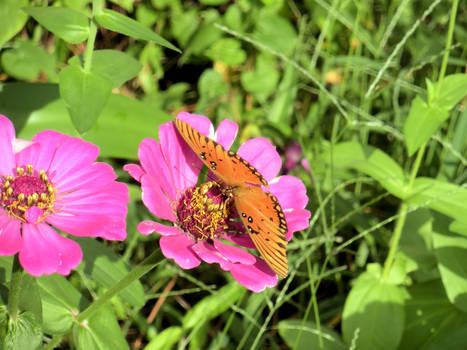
(259,211)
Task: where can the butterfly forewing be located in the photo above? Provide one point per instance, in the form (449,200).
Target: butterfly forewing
(226,165)
(264,220)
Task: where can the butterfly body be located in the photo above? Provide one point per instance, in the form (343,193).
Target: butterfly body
(259,211)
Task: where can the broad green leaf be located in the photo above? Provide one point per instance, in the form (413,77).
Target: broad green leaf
(61,302)
(26,61)
(184,25)
(69,25)
(125,25)
(211,87)
(373,316)
(166,339)
(451,251)
(30,298)
(416,241)
(105,267)
(234,18)
(100,331)
(422,123)
(275,32)
(227,51)
(459,227)
(85,95)
(124,122)
(429,316)
(213,2)
(308,333)
(454,339)
(206,35)
(213,305)
(447,198)
(118,67)
(261,82)
(24,332)
(370,161)
(451,90)
(12,18)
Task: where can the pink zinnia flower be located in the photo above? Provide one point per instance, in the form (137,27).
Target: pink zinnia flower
(294,156)
(55,181)
(203,228)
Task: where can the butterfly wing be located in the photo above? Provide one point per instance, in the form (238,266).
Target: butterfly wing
(226,165)
(264,220)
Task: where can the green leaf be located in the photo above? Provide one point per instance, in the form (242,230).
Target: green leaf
(213,2)
(100,331)
(85,95)
(106,268)
(454,339)
(124,122)
(444,197)
(429,316)
(206,35)
(422,123)
(184,25)
(373,316)
(228,51)
(125,25)
(283,105)
(24,332)
(69,25)
(26,61)
(308,333)
(451,90)
(30,298)
(61,302)
(12,18)
(275,32)
(211,88)
(416,242)
(261,82)
(116,66)
(451,251)
(213,305)
(370,161)
(166,339)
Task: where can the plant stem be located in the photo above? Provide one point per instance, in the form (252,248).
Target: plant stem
(144,267)
(452,21)
(13,294)
(91,38)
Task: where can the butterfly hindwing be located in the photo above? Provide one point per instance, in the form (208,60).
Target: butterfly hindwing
(264,220)
(227,166)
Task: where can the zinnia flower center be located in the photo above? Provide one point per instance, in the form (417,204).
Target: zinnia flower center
(203,212)
(29,196)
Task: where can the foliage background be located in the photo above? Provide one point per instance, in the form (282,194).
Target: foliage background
(367,90)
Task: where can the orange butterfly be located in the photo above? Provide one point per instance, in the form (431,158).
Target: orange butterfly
(259,211)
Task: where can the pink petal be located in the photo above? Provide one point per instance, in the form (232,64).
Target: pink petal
(226,133)
(10,238)
(183,164)
(210,254)
(260,153)
(290,191)
(254,277)
(147,227)
(135,171)
(157,201)
(7,136)
(243,240)
(45,251)
(19,144)
(198,122)
(179,248)
(234,254)
(297,219)
(155,164)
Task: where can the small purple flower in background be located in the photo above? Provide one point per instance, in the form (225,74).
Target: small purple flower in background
(54,180)
(203,228)
(294,156)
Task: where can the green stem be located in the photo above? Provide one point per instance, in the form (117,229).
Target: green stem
(144,267)
(402,216)
(452,21)
(15,283)
(96,7)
